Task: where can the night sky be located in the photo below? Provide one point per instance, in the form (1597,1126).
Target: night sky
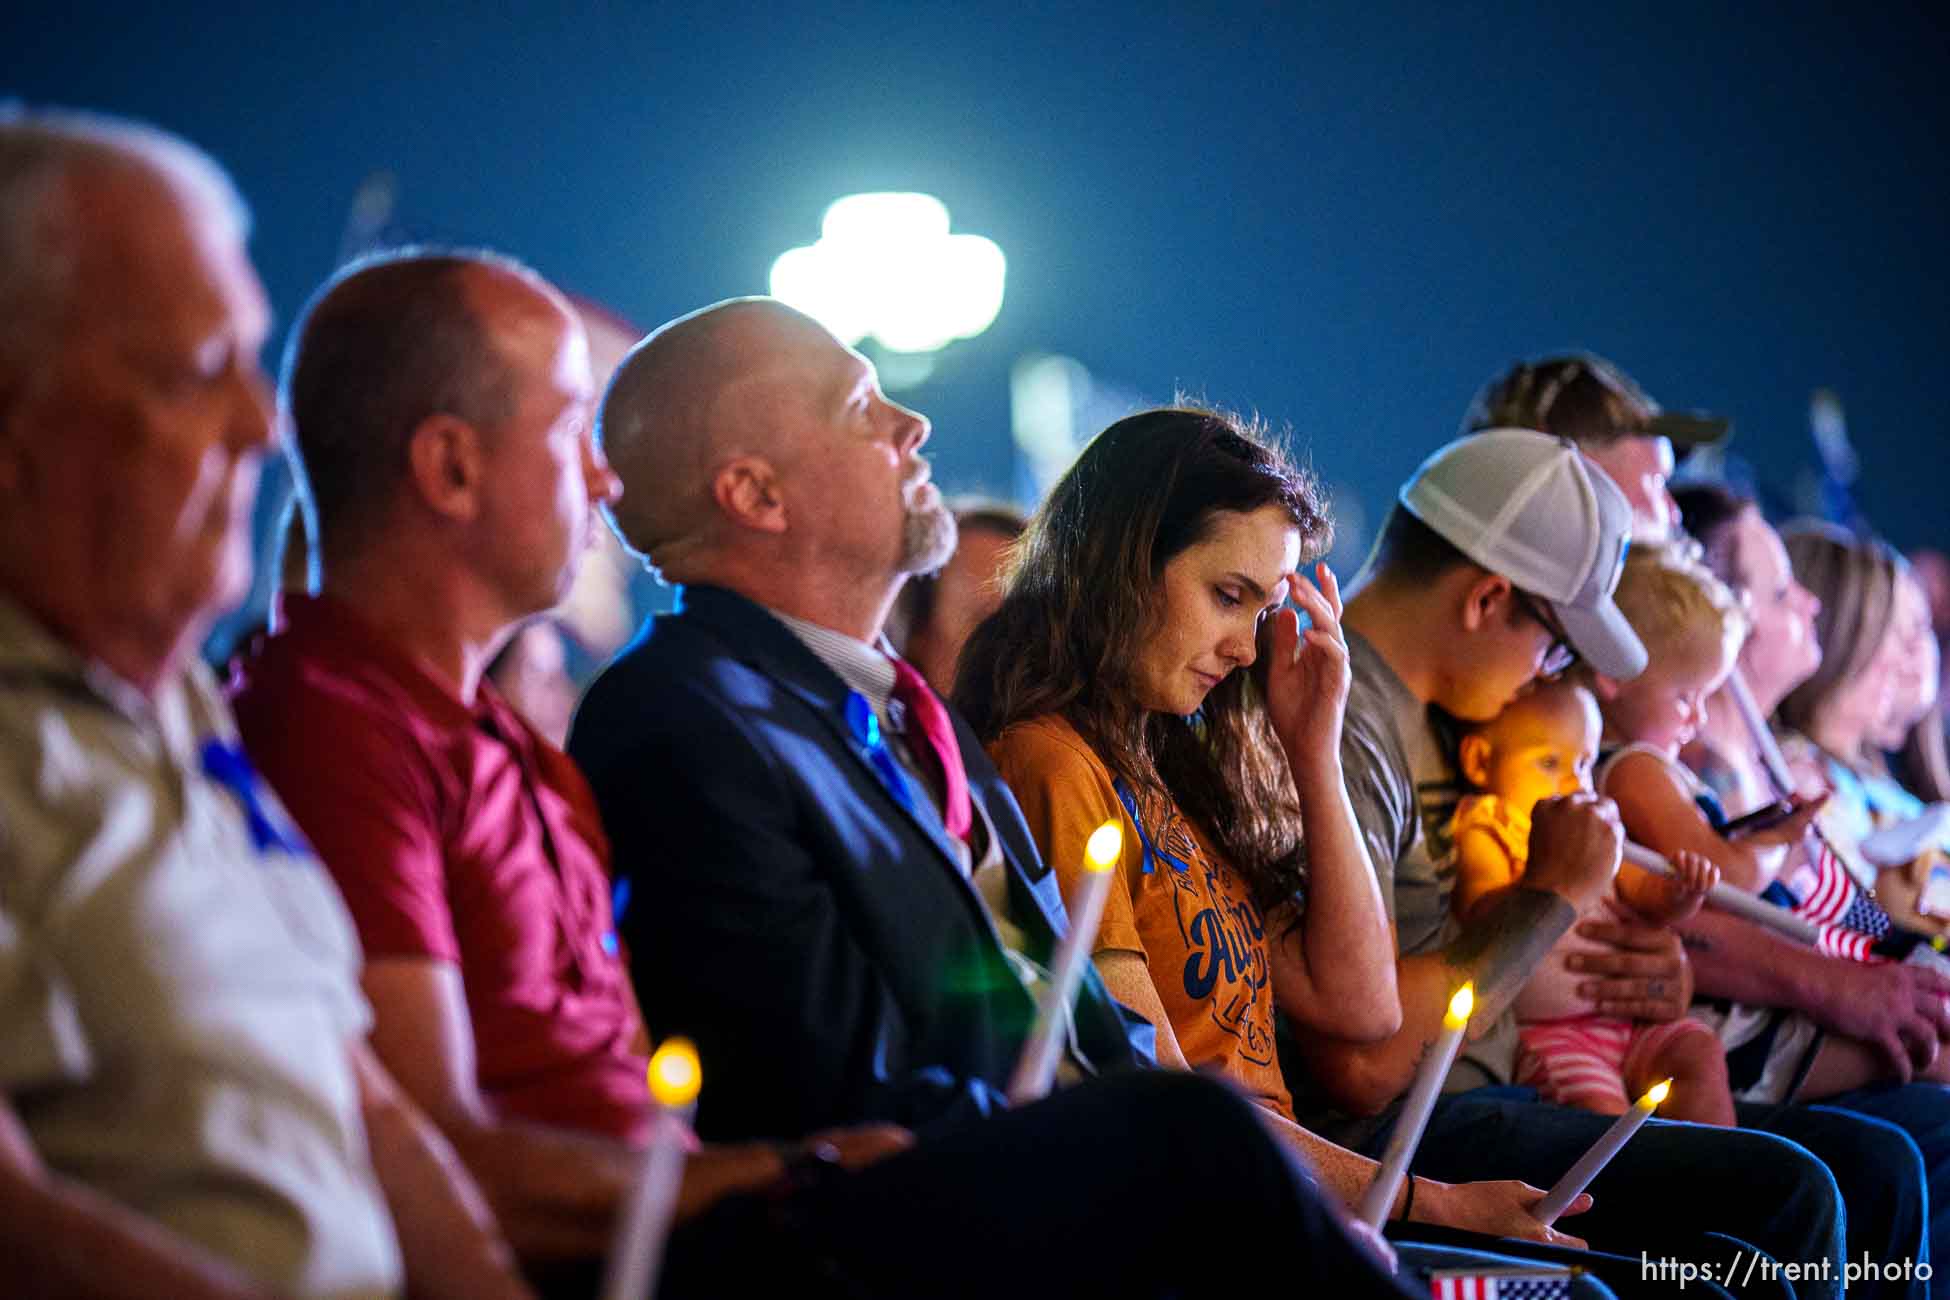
(1343,218)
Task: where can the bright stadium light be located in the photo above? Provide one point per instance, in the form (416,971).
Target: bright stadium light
(886,265)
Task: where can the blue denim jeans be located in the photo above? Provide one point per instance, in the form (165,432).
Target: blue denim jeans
(1683,1192)
(1869,1138)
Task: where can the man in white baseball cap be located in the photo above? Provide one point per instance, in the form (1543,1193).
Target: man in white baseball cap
(1498,566)
(1533,510)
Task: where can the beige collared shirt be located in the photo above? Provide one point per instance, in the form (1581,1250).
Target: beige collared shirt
(175,1001)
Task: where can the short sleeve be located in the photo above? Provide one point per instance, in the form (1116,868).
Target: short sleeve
(1380,794)
(362,790)
(1065,794)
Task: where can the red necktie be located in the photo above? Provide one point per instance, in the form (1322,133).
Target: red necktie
(927,720)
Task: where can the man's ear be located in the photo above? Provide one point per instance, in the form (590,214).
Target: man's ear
(1485,601)
(746,489)
(1473,756)
(445,458)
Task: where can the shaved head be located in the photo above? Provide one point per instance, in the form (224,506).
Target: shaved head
(388,341)
(726,381)
(758,452)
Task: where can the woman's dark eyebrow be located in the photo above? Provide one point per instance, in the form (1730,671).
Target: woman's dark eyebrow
(1259,592)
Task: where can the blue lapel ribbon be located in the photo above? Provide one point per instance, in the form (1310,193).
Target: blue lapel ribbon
(228,767)
(860,720)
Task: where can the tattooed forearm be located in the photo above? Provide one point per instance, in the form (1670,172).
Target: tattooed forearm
(1500,948)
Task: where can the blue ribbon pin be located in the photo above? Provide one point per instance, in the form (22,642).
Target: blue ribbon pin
(228,767)
(860,720)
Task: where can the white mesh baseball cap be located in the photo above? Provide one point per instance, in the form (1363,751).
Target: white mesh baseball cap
(1531,508)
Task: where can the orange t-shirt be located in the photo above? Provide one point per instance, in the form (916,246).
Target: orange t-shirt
(1179,905)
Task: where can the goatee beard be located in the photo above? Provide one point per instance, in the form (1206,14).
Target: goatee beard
(928,537)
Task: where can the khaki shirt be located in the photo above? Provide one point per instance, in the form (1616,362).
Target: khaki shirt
(176,1002)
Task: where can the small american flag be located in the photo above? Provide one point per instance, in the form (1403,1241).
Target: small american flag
(1501,1284)
(1865,916)
(1829,897)
(1833,942)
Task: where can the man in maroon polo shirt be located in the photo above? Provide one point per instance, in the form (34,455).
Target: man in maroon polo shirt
(468,851)
(440,405)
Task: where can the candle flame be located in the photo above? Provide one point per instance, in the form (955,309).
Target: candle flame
(1657,1094)
(674,1073)
(1106,842)
(1460,1006)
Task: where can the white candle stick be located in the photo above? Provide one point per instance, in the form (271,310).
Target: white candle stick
(1579,1176)
(1725,898)
(639,1249)
(1765,745)
(1778,773)
(1380,1196)
(1036,1068)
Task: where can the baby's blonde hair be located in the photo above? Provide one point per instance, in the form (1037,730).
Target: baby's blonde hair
(1682,612)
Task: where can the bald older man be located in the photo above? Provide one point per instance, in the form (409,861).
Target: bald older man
(187,1106)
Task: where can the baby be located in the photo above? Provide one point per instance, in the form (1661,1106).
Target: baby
(1543,745)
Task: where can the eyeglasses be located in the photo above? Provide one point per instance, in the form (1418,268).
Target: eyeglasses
(1561,655)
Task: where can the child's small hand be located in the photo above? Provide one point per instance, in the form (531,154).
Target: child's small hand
(1686,888)
(1693,874)
(1663,899)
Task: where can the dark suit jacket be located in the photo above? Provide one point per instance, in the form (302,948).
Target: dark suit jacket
(813,937)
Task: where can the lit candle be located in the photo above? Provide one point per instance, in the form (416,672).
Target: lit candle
(1600,1155)
(1036,1068)
(638,1252)
(1375,1202)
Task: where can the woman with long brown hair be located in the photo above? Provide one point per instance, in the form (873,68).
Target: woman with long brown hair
(1112,684)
